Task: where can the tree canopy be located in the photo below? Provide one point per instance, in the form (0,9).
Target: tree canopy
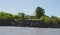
(52,22)
(39,12)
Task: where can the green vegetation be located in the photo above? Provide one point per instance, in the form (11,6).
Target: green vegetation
(39,12)
(7,18)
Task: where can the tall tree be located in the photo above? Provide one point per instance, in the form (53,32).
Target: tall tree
(39,12)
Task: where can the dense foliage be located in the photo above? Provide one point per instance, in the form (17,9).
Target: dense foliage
(39,12)
(7,19)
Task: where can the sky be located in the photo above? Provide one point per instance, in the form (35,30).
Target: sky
(52,7)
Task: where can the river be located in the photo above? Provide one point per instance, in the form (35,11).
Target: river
(9,30)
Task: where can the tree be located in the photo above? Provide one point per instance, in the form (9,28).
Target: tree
(39,12)
(21,15)
(54,17)
(4,15)
(46,19)
(6,18)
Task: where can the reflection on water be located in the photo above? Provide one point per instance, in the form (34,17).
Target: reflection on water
(28,31)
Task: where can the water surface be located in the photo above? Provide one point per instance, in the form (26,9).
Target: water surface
(4,30)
